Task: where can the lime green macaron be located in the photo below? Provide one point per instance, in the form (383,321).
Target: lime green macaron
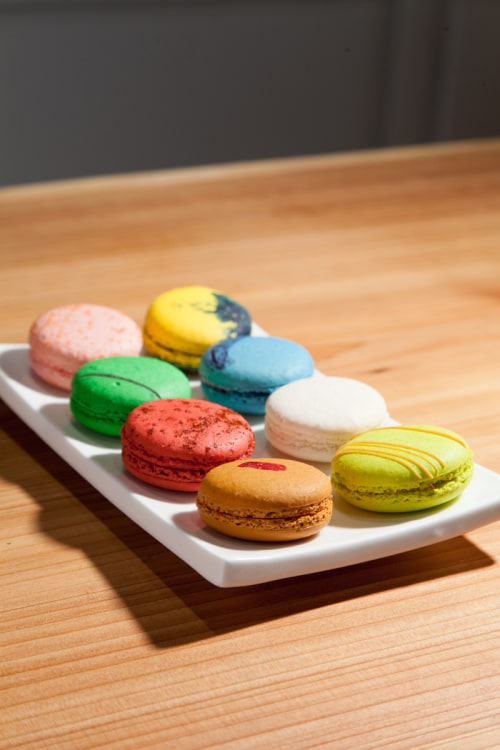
(183,322)
(104,391)
(402,468)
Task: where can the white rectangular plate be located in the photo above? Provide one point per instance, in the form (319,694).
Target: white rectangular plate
(353,536)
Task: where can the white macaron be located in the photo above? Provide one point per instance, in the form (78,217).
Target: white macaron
(310,418)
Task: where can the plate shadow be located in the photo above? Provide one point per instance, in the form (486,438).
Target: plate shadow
(174,605)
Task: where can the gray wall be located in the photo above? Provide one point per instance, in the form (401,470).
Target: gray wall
(97,87)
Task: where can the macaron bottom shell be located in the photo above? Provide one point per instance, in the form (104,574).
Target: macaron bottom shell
(106,423)
(177,479)
(186,361)
(167,474)
(401,500)
(51,372)
(279,529)
(251,402)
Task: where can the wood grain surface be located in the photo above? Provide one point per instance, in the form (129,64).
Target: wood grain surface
(386,266)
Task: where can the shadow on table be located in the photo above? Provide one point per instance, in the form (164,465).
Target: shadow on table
(171,602)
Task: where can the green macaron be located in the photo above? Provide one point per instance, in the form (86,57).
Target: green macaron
(104,391)
(402,468)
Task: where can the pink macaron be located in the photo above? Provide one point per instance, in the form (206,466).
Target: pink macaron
(64,338)
(172,443)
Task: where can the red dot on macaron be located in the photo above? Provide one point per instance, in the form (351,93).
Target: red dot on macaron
(263,465)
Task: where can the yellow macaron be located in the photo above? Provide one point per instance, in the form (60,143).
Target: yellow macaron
(183,322)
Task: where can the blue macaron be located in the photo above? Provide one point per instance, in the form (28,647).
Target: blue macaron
(241,373)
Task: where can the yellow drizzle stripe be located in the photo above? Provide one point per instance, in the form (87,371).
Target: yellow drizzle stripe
(430,431)
(410,464)
(403,449)
(404,455)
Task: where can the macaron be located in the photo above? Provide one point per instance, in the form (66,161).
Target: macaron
(265,500)
(104,391)
(310,418)
(172,443)
(183,322)
(241,373)
(64,338)
(402,468)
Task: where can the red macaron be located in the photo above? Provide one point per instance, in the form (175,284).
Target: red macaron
(172,443)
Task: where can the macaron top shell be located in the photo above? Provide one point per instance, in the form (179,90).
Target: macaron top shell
(260,363)
(408,456)
(188,431)
(182,322)
(104,391)
(64,338)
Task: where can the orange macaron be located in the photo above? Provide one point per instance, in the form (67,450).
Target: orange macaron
(265,500)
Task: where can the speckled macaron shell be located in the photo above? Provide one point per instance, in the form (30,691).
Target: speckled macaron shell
(241,373)
(104,391)
(402,468)
(64,338)
(183,322)
(267,500)
(310,418)
(172,443)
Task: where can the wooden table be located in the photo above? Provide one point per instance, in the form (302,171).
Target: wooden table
(387,267)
